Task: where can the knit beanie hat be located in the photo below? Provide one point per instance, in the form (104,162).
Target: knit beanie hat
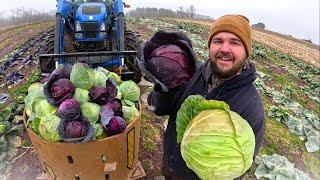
(236,24)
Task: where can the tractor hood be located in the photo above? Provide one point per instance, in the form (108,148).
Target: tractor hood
(91,12)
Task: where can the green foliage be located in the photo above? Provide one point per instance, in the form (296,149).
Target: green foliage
(17,94)
(115,77)
(258,51)
(192,27)
(278,167)
(280,113)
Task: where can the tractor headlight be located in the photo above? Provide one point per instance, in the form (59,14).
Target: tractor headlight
(78,26)
(103,27)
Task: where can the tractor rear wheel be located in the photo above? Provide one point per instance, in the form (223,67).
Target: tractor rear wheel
(133,43)
(47,65)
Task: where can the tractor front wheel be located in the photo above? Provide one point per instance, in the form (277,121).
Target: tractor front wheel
(47,65)
(133,43)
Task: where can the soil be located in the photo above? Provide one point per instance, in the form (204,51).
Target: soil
(151,160)
(28,166)
(144,31)
(20,35)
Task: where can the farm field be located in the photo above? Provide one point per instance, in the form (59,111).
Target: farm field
(287,79)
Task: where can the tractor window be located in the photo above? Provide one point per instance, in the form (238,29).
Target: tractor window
(95,1)
(91,10)
(101,1)
(78,2)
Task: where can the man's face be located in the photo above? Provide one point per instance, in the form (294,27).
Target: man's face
(227,54)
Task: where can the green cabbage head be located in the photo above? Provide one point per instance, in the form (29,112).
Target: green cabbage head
(44,108)
(81,95)
(98,131)
(216,143)
(48,128)
(115,77)
(35,86)
(100,79)
(82,76)
(33,97)
(91,111)
(130,91)
(129,113)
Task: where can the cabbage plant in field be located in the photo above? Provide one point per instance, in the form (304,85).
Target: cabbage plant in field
(216,143)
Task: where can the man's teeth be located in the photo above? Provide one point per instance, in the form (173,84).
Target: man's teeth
(225,59)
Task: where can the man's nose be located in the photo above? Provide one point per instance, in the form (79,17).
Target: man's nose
(225,47)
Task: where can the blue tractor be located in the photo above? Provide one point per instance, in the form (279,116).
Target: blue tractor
(92,31)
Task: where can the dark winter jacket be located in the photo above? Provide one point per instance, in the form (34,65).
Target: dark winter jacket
(238,92)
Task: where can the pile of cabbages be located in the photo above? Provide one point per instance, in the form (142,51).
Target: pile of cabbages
(79,104)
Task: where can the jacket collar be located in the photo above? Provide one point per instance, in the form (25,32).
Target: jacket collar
(246,76)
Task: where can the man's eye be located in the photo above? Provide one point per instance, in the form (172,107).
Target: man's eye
(235,43)
(217,42)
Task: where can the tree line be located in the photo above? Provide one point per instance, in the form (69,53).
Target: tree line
(22,15)
(189,12)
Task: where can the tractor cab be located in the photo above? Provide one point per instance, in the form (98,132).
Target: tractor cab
(91,26)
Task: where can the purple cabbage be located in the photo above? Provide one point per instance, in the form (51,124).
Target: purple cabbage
(75,129)
(116,125)
(170,65)
(99,95)
(69,110)
(58,90)
(102,95)
(116,106)
(64,72)
(106,114)
(111,87)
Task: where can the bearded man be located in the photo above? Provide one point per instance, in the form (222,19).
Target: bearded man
(227,75)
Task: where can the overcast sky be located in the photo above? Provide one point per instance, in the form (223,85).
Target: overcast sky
(299,18)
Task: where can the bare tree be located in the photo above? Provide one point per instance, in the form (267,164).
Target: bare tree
(22,15)
(181,11)
(191,11)
(154,12)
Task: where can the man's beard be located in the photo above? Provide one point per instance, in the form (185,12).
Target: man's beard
(224,75)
